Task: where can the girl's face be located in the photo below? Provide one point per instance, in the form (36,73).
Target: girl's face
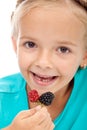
(50,48)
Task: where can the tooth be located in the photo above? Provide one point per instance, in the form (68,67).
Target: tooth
(43,79)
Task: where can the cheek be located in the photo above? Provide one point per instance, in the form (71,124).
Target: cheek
(22,60)
(25,60)
(68,71)
(67,67)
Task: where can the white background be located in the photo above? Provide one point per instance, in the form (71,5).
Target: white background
(8,61)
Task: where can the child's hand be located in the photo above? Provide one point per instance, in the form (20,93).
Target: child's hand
(34,119)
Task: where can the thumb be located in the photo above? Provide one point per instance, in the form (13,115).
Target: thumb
(27,113)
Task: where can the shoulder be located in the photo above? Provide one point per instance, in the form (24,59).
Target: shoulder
(11,83)
(80,84)
(81,76)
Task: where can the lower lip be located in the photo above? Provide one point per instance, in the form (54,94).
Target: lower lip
(41,83)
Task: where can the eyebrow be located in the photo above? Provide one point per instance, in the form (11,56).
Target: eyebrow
(66,42)
(25,37)
(28,38)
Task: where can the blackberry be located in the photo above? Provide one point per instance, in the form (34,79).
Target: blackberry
(46,98)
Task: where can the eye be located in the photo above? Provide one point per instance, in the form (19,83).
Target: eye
(63,50)
(30,44)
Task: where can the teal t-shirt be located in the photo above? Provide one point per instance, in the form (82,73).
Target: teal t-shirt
(13,99)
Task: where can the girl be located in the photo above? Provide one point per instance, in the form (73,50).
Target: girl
(50,40)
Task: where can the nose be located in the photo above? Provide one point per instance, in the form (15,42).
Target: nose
(43,60)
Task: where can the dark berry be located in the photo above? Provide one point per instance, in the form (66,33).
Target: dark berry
(46,98)
(33,95)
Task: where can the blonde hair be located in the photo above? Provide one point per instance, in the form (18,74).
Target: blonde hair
(25,6)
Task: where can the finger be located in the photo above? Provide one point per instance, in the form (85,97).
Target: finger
(47,124)
(28,113)
(50,126)
(39,116)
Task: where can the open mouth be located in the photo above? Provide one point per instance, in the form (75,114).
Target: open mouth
(43,80)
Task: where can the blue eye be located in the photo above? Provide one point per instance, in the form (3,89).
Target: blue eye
(30,44)
(63,50)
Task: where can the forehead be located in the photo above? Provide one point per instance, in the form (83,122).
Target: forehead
(55,20)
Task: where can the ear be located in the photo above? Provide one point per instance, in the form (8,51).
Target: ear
(84,61)
(14,42)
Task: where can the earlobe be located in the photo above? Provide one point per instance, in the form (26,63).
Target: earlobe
(14,44)
(84,61)
(83,66)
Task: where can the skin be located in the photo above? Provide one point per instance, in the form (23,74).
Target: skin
(47,47)
(56,50)
(34,119)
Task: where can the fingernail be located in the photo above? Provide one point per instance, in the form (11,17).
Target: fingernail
(38,107)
